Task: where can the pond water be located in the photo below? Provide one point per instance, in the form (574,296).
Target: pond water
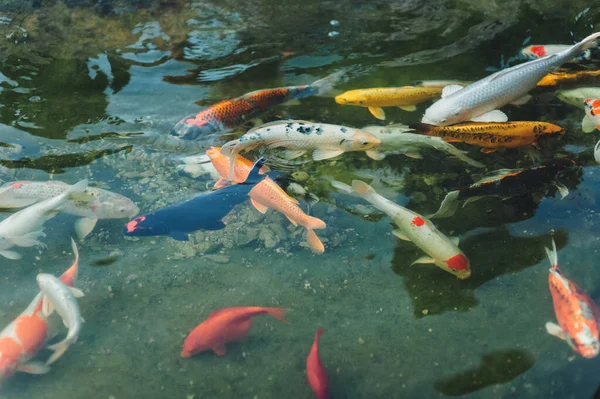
(91,90)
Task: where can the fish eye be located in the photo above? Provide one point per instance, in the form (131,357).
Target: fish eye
(443,120)
(365,143)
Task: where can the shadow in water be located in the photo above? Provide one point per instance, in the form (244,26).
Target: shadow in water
(495,368)
(431,288)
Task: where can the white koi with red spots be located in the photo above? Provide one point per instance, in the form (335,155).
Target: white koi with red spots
(541,50)
(441,250)
(103,204)
(591,120)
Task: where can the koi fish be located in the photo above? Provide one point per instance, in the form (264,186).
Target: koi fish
(397,140)
(438,84)
(405,98)
(324,140)
(22,339)
(267,194)
(591,120)
(223,326)
(506,183)
(234,112)
(479,101)
(562,78)
(23,228)
(315,371)
(60,297)
(103,204)
(441,250)
(536,51)
(577,96)
(597,152)
(576,313)
(203,212)
(491,136)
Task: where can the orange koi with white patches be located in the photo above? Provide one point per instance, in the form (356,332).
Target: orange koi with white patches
(267,194)
(22,339)
(576,313)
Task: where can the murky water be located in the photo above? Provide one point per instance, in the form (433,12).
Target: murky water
(92,90)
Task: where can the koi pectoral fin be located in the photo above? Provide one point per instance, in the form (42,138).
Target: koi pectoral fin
(425,259)
(84,226)
(554,329)
(409,108)
(587,125)
(491,116)
(258,206)
(377,112)
(220,349)
(400,234)
(562,189)
(319,155)
(376,155)
(33,368)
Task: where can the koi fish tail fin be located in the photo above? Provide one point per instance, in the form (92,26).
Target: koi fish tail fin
(448,207)
(73,271)
(314,242)
(318,334)
(552,255)
(255,176)
(588,42)
(59,350)
(277,313)
(362,188)
(314,223)
(325,86)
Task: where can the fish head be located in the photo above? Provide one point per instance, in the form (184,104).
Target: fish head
(191,128)
(457,265)
(439,114)
(592,108)
(144,226)
(352,97)
(121,207)
(109,205)
(45,280)
(195,342)
(360,141)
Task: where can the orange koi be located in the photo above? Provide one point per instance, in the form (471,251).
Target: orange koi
(267,194)
(563,78)
(315,371)
(223,326)
(577,314)
(491,136)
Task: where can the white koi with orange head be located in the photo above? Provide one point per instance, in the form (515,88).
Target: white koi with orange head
(576,313)
(441,250)
(298,137)
(591,120)
(267,194)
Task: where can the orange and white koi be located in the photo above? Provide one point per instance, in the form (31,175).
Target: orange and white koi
(267,194)
(405,98)
(324,140)
(441,250)
(26,335)
(576,313)
(591,120)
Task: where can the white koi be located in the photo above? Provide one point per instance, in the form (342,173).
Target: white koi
(62,298)
(479,102)
(324,140)
(102,204)
(23,228)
